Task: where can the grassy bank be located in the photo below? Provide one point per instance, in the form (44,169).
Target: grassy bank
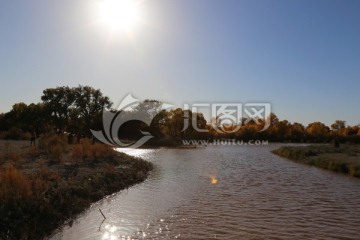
(345,159)
(44,186)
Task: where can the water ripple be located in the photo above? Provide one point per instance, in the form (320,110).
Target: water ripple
(256,195)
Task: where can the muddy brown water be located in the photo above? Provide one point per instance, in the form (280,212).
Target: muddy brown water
(225,192)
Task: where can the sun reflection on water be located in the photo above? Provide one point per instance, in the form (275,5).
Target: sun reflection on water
(134,151)
(109,233)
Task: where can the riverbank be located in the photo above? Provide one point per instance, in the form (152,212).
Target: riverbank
(344,159)
(44,186)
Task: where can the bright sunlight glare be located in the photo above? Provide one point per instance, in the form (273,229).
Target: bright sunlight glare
(119,14)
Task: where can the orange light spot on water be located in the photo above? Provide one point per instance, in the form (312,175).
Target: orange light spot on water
(213,180)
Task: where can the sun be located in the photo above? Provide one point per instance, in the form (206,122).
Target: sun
(119,14)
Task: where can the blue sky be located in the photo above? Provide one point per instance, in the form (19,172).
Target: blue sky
(301,56)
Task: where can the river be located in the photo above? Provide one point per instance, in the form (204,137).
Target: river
(225,192)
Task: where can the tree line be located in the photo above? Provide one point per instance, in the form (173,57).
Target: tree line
(78,109)
(62,108)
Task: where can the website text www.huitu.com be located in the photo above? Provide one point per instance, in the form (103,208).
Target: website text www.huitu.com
(224,142)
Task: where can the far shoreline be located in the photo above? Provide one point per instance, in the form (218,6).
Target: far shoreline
(344,159)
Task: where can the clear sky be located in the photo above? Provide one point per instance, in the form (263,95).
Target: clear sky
(301,56)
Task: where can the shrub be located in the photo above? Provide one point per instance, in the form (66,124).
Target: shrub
(10,153)
(54,145)
(56,151)
(33,152)
(295,153)
(354,169)
(14,134)
(92,151)
(2,135)
(26,136)
(46,173)
(14,184)
(86,146)
(342,160)
(101,151)
(39,186)
(77,152)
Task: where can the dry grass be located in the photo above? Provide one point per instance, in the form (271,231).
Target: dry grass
(51,186)
(46,173)
(77,152)
(15,134)
(345,159)
(54,145)
(32,152)
(10,153)
(86,146)
(94,152)
(14,184)
(2,135)
(101,151)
